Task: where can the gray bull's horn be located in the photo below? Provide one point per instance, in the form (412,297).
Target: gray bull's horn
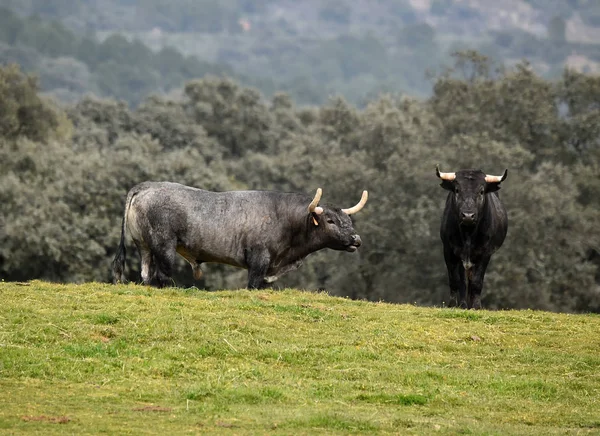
(312,207)
(444,176)
(359,206)
(496,179)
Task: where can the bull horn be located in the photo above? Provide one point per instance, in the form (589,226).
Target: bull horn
(496,179)
(312,207)
(444,176)
(359,206)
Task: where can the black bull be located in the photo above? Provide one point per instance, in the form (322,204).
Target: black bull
(474,225)
(268,233)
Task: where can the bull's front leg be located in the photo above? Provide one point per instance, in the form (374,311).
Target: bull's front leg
(462,286)
(476,283)
(258,261)
(456,280)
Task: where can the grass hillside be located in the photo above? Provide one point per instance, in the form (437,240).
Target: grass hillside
(98,358)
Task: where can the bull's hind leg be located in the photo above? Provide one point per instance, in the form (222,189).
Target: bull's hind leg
(148,267)
(164,256)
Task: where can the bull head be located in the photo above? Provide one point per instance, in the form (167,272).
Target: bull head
(315,210)
(469,188)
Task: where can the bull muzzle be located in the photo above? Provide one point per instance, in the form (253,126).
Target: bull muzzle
(356,242)
(468,218)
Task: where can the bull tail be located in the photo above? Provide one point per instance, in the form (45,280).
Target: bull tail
(118,263)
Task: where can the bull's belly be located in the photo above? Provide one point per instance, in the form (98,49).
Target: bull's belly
(198,256)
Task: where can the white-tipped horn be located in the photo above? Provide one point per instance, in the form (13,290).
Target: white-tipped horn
(496,179)
(312,207)
(444,176)
(359,206)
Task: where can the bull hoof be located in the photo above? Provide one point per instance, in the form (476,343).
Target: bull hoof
(453,301)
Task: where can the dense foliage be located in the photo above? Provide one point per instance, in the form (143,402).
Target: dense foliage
(64,175)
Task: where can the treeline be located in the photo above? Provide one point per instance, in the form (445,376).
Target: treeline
(64,175)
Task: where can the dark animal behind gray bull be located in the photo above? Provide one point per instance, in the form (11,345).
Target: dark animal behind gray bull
(266,232)
(474,225)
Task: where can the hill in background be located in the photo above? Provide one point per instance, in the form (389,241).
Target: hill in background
(310,49)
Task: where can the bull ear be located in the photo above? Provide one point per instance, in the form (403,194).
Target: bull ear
(316,215)
(315,218)
(492,187)
(447,185)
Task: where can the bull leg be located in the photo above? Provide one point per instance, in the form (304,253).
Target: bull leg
(164,255)
(456,280)
(148,264)
(462,287)
(258,264)
(148,267)
(476,283)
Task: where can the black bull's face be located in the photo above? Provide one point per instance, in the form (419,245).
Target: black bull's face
(469,188)
(469,195)
(340,231)
(334,226)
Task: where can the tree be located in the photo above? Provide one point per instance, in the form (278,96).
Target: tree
(22,111)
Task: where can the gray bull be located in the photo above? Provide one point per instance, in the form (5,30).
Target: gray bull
(268,233)
(474,225)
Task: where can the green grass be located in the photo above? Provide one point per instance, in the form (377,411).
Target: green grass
(103,359)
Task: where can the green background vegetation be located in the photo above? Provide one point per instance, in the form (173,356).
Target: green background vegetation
(217,122)
(98,359)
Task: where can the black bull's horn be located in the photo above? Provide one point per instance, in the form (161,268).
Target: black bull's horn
(452,176)
(313,208)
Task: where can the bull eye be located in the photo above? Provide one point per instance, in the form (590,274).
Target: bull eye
(330,221)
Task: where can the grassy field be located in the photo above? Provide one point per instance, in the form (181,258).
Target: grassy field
(103,359)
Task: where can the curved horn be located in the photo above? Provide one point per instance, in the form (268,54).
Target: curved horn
(312,207)
(444,176)
(359,206)
(496,179)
